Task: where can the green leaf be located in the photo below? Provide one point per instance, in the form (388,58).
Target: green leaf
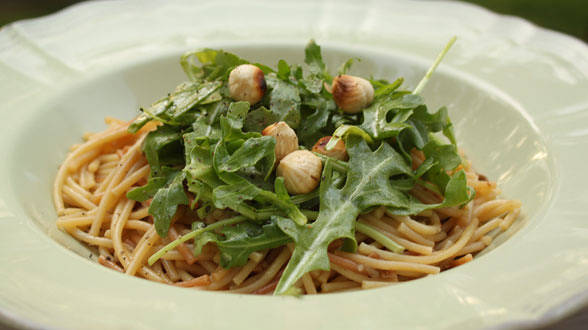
(251,152)
(336,219)
(182,105)
(264,68)
(165,204)
(141,194)
(234,197)
(445,154)
(312,55)
(200,175)
(238,190)
(457,193)
(246,153)
(436,122)
(345,67)
(188,95)
(313,81)
(386,117)
(232,124)
(345,131)
(208,125)
(244,238)
(259,119)
(215,64)
(383,88)
(283,70)
(158,111)
(284,100)
(367,185)
(237,242)
(313,125)
(197,229)
(163,147)
(139,122)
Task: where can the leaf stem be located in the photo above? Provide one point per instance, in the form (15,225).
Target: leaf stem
(433,67)
(344,130)
(264,214)
(172,245)
(378,237)
(299,199)
(290,209)
(338,165)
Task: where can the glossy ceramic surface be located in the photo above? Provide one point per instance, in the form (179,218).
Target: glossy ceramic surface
(519,104)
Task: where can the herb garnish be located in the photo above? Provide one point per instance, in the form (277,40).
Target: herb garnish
(209,150)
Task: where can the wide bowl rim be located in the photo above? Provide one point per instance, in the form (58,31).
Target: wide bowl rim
(572,303)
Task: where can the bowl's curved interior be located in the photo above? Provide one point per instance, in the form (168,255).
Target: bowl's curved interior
(495,133)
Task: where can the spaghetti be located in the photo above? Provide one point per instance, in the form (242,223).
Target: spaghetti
(90,198)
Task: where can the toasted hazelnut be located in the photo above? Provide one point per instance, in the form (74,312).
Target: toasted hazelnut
(301,171)
(286,139)
(338,151)
(351,93)
(247,83)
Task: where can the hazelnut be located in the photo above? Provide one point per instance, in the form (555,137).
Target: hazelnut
(286,139)
(247,83)
(338,151)
(301,171)
(352,94)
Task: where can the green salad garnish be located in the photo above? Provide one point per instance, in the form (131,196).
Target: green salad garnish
(209,153)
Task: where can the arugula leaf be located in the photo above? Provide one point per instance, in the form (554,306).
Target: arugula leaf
(283,70)
(445,154)
(175,108)
(216,64)
(314,125)
(386,117)
(200,175)
(149,190)
(197,229)
(163,147)
(238,190)
(345,67)
(232,124)
(253,151)
(237,242)
(259,119)
(228,164)
(139,122)
(234,197)
(457,193)
(284,100)
(237,153)
(383,88)
(313,57)
(208,125)
(317,71)
(187,95)
(165,204)
(435,122)
(367,185)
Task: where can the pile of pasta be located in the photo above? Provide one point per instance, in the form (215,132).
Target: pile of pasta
(90,199)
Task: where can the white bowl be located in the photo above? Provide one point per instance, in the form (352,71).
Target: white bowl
(518,100)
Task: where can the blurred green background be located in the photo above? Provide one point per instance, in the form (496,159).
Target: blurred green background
(567,16)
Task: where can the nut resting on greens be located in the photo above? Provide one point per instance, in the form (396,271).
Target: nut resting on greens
(247,83)
(215,186)
(286,139)
(301,171)
(352,94)
(338,151)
